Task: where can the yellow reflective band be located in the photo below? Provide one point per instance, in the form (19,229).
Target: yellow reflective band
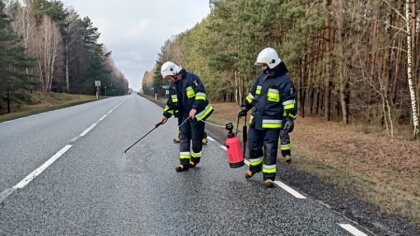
(168,110)
(198,98)
(184,155)
(258,92)
(174,98)
(269,171)
(190,92)
(271,124)
(204,113)
(285,147)
(251,119)
(273,95)
(255,162)
(250,98)
(289,102)
(292,116)
(195,155)
(289,106)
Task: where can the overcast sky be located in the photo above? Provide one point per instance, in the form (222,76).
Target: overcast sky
(134,30)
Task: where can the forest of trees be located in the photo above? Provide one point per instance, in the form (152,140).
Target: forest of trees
(351,60)
(47,47)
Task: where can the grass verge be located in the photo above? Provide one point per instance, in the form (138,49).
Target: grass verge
(38,102)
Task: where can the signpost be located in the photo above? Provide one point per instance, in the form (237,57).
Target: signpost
(97,85)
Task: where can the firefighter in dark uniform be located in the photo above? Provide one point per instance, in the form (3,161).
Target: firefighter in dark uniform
(203,140)
(272,99)
(189,100)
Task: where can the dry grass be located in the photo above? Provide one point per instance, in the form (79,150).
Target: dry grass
(37,102)
(381,170)
(224,113)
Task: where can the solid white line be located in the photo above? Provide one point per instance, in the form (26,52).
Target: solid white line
(40,169)
(223,147)
(210,138)
(102,118)
(88,129)
(289,190)
(353,230)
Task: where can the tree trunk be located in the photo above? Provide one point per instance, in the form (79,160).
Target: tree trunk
(67,68)
(416,128)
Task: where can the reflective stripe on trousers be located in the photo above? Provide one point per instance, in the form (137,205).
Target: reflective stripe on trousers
(263,143)
(191,132)
(285,143)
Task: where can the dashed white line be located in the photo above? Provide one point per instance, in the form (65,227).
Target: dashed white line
(289,190)
(103,117)
(40,169)
(353,230)
(282,185)
(44,166)
(88,130)
(350,228)
(100,119)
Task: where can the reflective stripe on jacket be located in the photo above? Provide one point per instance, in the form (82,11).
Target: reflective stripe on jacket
(273,99)
(189,93)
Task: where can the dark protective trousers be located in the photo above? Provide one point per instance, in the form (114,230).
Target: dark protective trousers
(285,143)
(191,133)
(263,160)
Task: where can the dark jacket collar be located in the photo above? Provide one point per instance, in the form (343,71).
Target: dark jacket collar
(279,70)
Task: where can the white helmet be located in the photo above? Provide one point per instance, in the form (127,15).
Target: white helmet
(269,57)
(169,68)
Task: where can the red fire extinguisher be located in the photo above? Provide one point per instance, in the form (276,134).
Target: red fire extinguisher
(233,145)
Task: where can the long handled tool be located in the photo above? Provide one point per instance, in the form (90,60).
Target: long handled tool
(244,136)
(157,125)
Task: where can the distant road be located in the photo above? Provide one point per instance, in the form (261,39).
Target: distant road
(64,172)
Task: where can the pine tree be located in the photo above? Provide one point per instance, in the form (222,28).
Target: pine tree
(13,61)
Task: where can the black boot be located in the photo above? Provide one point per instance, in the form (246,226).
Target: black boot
(269,183)
(180,168)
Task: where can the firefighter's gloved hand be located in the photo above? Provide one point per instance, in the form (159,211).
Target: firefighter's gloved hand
(289,125)
(243,111)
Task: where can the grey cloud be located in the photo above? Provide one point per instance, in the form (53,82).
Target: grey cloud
(135,30)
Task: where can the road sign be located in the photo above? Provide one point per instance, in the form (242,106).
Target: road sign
(97,83)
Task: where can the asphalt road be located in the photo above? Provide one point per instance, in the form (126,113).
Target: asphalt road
(64,172)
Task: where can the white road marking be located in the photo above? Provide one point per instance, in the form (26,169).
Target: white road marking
(44,166)
(210,138)
(103,117)
(100,119)
(289,190)
(282,185)
(40,169)
(353,230)
(223,147)
(88,130)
